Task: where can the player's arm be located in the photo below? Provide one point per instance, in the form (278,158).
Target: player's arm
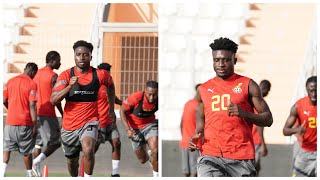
(288,128)
(111,100)
(5,96)
(53,82)
(199,123)
(124,121)
(118,101)
(264,116)
(58,95)
(263,148)
(33,113)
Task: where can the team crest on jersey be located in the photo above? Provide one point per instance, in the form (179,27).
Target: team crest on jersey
(237,89)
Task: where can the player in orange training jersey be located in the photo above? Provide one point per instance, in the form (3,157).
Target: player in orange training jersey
(225,117)
(305,112)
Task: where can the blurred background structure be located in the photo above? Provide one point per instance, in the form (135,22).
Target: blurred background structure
(123,35)
(276,42)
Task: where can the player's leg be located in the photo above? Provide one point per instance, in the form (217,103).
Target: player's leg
(151,134)
(210,166)
(113,136)
(6,158)
(257,158)
(89,137)
(239,168)
(50,140)
(193,157)
(26,144)
(185,162)
(305,164)
(8,146)
(71,147)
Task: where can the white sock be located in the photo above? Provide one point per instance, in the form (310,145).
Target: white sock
(87,175)
(115,166)
(155,174)
(4,168)
(39,158)
(29,173)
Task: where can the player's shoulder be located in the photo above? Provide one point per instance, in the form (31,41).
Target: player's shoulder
(137,94)
(302,100)
(65,73)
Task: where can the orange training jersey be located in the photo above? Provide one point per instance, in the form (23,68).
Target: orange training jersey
(76,114)
(19,91)
(308,112)
(188,122)
(43,79)
(131,103)
(224,136)
(103,107)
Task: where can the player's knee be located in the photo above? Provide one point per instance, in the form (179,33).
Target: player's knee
(72,161)
(117,145)
(154,154)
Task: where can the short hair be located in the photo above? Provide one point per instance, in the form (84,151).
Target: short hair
(31,66)
(266,82)
(105,66)
(52,55)
(196,87)
(311,79)
(152,84)
(224,44)
(84,44)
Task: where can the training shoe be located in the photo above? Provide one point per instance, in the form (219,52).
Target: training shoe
(36,170)
(115,175)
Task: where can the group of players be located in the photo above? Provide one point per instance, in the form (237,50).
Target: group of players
(222,126)
(88,118)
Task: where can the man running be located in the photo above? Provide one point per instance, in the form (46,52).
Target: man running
(137,115)
(304,111)
(49,128)
(79,85)
(257,131)
(20,97)
(108,130)
(226,116)
(188,127)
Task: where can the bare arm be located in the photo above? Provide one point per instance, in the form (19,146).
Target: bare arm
(199,114)
(125,122)
(118,101)
(264,116)
(263,150)
(53,82)
(193,141)
(58,96)
(111,98)
(33,113)
(5,102)
(288,128)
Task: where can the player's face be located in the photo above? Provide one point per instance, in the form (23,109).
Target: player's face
(57,63)
(82,57)
(264,89)
(223,63)
(151,94)
(312,92)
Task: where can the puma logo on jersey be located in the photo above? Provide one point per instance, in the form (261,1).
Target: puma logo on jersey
(306,113)
(211,90)
(237,89)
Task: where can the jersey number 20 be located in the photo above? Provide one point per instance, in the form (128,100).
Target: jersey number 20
(220,102)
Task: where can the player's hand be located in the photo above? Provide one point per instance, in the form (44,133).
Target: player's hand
(234,110)
(130,133)
(73,81)
(193,141)
(263,151)
(34,132)
(300,129)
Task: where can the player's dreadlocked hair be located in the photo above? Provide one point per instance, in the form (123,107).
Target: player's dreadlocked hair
(311,79)
(152,84)
(224,44)
(52,55)
(105,66)
(82,43)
